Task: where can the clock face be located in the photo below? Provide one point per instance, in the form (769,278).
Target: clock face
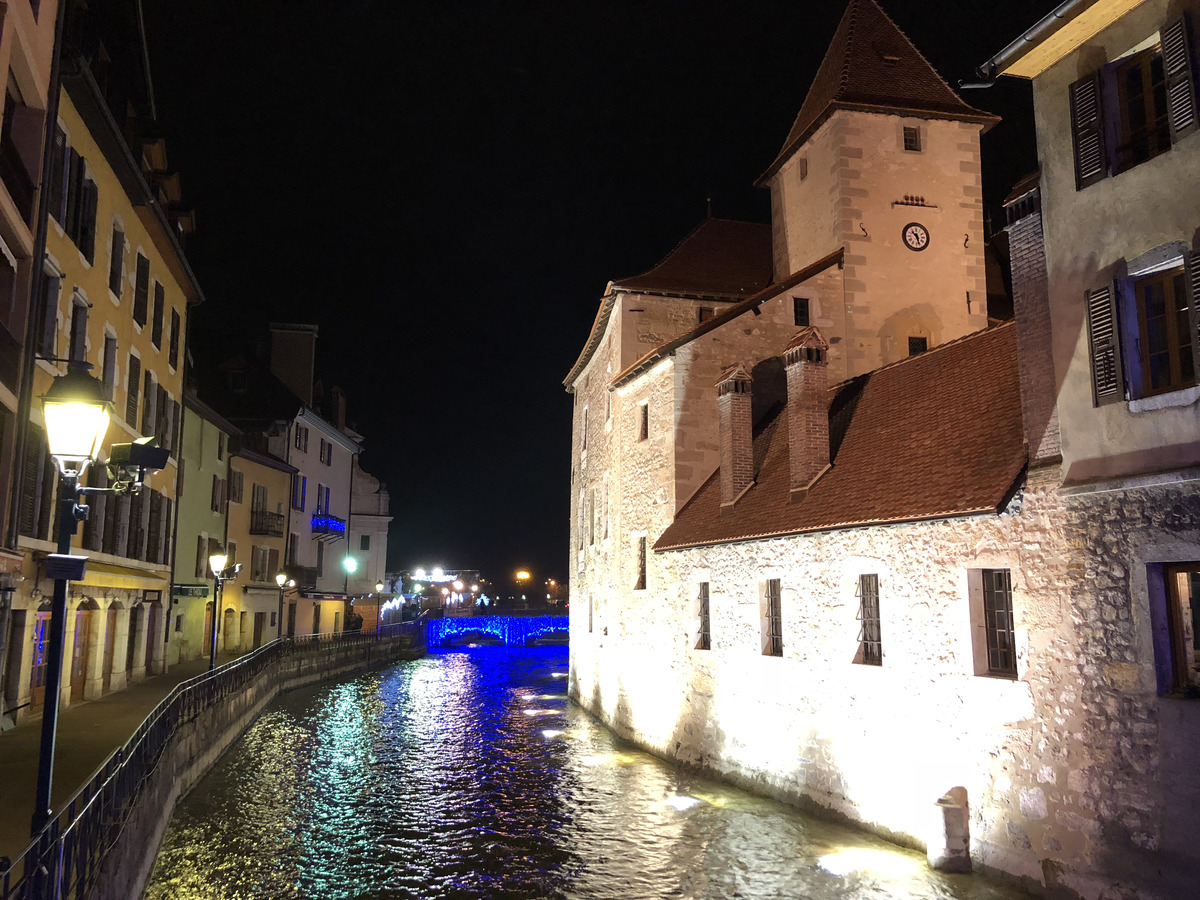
(916,236)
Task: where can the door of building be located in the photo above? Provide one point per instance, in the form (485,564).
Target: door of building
(110,646)
(291,628)
(151,632)
(82,654)
(37,672)
(208,625)
(135,615)
(316,618)
(260,619)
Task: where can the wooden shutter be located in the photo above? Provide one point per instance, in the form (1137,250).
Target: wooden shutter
(149,405)
(87,221)
(272,563)
(58,158)
(31,480)
(152,531)
(135,544)
(1108,384)
(1181,85)
(141,289)
(74,189)
(112,521)
(1087,131)
(77,349)
(160,415)
(215,501)
(1191,266)
(110,366)
(93,528)
(168,525)
(201,556)
(47,495)
(131,400)
(52,289)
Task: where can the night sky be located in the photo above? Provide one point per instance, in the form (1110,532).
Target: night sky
(445,188)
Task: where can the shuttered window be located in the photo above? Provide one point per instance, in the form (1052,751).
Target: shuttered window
(79,317)
(173,352)
(149,404)
(110,366)
(1108,385)
(116,261)
(141,290)
(156,331)
(201,556)
(131,398)
(51,288)
(1142,104)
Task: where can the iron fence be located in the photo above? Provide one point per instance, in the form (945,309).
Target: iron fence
(64,860)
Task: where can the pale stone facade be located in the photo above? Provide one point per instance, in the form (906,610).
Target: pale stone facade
(1077,771)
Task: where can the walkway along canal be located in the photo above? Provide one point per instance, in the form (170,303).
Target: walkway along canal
(100,844)
(468,774)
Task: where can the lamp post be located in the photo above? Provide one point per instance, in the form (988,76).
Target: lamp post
(350,565)
(216,562)
(378,600)
(281,580)
(76,414)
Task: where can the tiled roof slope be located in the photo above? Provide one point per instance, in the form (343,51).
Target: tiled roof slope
(932,436)
(872,65)
(720,257)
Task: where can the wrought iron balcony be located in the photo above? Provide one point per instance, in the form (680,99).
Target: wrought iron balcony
(264,522)
(326,527)
(305,577)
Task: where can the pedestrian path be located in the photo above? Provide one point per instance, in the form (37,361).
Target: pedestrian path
(87,733)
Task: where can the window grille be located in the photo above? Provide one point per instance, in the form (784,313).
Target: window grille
(641,580)
(869,637)
(998,620)
(705,641)
(774,620)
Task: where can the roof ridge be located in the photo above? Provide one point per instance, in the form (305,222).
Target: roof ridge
(680,243)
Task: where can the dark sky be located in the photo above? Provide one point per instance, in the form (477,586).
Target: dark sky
(445,188)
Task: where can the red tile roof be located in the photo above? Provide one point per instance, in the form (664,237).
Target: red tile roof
(720,258)
(931,436)
(871,65)
(731,312)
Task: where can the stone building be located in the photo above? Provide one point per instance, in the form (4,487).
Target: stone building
(842,542)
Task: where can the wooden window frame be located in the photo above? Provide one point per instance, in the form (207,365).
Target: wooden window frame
(870,637)
(1179,353)
(773,624)
(998,623)
(704,614)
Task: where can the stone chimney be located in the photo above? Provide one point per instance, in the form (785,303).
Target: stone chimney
(294,357)
(733,422)
(808,408)
(1031,308)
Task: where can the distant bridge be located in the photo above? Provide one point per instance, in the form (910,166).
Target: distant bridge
(514,631)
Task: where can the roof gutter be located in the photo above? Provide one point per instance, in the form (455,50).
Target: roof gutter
(1050,23)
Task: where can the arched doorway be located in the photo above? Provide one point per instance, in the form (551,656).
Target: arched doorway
(229,631)
(81,653)
(41,646)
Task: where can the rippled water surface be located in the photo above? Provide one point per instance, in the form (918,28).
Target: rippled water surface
(469,775)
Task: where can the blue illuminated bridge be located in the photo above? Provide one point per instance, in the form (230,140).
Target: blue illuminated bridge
(514,631)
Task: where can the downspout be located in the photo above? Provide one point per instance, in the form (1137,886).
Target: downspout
(991,69)
(37,315)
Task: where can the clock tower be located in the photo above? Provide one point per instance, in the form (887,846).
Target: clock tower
(882,161)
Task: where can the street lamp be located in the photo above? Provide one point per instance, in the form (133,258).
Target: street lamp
(350,564)
(76,413)
(378,598)
(216,562)
(281,579)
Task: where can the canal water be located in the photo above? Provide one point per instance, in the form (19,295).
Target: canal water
(469,775)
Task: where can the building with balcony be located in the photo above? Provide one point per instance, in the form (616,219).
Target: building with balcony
(118,289)
(201,531)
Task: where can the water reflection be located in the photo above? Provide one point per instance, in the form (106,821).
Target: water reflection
(469,775)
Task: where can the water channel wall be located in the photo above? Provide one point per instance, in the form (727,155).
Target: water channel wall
(102,844)
(200,742)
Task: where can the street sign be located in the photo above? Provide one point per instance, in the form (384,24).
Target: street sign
(189,590)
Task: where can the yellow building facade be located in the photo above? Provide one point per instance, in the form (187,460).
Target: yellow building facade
(118,293)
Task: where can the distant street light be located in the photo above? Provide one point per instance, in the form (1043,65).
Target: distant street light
(282,580)
(523,575)
(350,564)
(76,413)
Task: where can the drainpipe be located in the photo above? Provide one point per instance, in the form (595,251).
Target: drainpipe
(1002,60)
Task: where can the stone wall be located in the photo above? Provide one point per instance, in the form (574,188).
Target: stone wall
(1074,771)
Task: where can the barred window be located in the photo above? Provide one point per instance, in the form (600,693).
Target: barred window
(998,621)
(870,642)
(641,564)
(705,639)
(773,620)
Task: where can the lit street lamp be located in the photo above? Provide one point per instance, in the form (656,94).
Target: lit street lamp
(350,564)
(76,413)
(282,580)
(216,562)
(378,600)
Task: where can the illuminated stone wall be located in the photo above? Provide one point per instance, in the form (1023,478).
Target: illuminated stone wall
(1076,767)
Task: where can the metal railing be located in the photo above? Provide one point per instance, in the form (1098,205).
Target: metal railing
(64,860)
(264,522)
